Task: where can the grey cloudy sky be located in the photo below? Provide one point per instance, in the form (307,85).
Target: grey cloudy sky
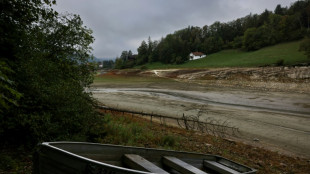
(122,24)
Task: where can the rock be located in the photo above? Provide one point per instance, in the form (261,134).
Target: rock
(283,165)
(256,139)
(260,163)
(230,141)
(208,145)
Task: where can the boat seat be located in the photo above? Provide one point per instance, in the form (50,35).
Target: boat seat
(180,166)
(219,167)
(139,163)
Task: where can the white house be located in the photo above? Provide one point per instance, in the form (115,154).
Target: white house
(196,55)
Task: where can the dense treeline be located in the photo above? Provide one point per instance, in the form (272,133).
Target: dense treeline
(106,64)
(249,33)
(44,72)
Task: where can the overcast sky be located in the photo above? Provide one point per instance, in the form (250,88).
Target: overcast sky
(122,24)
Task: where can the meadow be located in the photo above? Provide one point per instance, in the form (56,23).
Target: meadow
(282,54)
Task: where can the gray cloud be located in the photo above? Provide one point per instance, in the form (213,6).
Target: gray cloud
(122,24)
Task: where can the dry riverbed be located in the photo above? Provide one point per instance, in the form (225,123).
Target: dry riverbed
(276,120)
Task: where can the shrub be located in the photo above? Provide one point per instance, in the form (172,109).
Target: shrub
(51,71)
(143,67)
(7,163)
(280,62)
(169,140)
(305,45)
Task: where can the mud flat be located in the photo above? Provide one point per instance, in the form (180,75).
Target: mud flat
(286,131)
(278,120)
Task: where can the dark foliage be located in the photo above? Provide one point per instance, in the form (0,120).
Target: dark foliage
(305,45)
(44,74)
(108,64)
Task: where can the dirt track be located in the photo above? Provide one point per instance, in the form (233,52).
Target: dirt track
(275,120)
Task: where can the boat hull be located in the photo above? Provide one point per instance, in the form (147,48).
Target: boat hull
(73,157)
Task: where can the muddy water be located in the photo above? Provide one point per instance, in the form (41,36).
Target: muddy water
(280,121)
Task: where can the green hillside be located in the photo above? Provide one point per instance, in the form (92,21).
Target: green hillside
(286,52)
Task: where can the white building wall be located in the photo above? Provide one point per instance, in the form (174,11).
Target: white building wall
(196,57)
(192,57)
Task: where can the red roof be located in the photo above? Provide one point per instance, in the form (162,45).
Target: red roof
(198,53)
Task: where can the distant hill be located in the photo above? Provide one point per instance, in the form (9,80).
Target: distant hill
(250,33)
(286,54)
(97,59)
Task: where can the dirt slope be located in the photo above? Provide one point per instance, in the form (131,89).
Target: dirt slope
(295,79)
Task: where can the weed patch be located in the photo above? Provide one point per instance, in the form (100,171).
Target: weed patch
(155,135)
(125,131)
(15,160)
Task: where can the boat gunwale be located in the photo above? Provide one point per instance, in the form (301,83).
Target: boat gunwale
(50,145)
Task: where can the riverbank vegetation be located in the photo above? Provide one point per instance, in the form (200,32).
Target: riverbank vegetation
(43,75)
(126,129)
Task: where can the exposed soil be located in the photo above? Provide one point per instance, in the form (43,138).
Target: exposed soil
(258,116)
(273,115)
(261,159)
(295,79)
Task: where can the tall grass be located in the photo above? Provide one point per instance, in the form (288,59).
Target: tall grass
(124,131)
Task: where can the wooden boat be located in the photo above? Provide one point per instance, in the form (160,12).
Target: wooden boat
(74,157)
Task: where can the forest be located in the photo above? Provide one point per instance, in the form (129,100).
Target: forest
(248,33)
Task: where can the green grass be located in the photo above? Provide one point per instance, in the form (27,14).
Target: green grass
(288,52)
(128,79)
(125,131)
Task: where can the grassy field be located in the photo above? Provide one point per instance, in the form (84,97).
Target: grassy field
(287,53)
(108,79)
(112,79)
